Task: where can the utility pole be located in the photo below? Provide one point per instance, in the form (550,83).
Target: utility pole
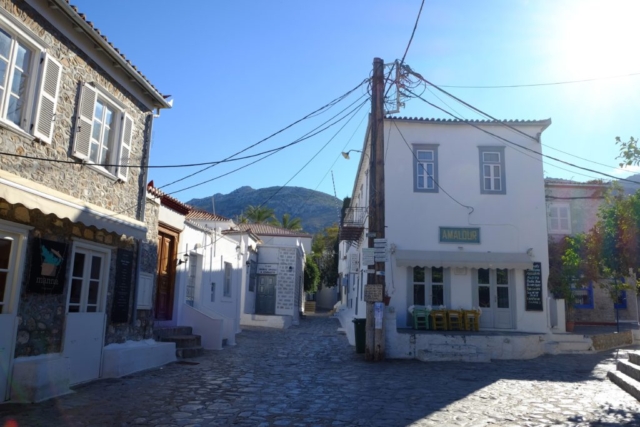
(374,345)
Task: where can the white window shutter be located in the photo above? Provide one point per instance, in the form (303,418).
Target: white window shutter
(47,98)
(125,147)
(84,122)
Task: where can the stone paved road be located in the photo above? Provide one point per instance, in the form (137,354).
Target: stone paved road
(309,375)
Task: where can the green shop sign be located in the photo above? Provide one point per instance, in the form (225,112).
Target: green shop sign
(459,235)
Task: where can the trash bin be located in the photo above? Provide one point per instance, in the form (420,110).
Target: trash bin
(360,327)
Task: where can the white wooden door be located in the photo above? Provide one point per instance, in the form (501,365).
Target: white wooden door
(494,296)
(85,322)
(10,268)
(84,336)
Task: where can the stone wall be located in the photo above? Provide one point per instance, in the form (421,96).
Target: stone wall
(607,341)
(40,316)
(83,182)
(285,288)
(603,311)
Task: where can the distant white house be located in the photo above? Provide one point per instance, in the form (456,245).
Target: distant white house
(465,216)
(275,295)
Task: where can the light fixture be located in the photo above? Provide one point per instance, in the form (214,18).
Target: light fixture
(290,267)
(346,154)
(184,260)
(238,249)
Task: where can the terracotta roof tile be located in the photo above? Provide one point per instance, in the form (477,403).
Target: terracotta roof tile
(199,214)
(434,120)
(271,230)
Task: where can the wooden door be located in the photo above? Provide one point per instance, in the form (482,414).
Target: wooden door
(266,295)
(166,276)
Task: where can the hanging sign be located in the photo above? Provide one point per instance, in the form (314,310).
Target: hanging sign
(354,264)
(372,293)
(459,235)
(368,256)
(48,267)
(533,288)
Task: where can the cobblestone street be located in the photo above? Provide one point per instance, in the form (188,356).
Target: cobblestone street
(309,375)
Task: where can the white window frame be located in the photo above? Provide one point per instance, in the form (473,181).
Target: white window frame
(228,269)
(30,99)
(558,228)
(90,249)
(120,134)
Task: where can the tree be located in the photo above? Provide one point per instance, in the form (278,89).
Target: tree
(311,275)
(629,152)
(324,250)
(289,223)
(242,219)
(259,214)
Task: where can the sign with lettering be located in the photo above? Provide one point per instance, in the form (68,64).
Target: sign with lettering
(267,268)
(533,288)
(373,293)
(48,267)
(122,288)
(459,235)
(354,265)
(368,256)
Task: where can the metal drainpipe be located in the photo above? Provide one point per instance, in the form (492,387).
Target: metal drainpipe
(145,171)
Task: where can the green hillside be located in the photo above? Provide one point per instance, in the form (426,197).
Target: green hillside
(316,209)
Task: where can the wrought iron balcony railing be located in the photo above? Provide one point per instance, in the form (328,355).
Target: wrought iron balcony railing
(353,222)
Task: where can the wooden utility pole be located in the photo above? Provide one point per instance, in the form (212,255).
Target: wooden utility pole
(374,349)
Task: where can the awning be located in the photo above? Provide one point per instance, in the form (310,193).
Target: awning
(408,258)
(17,190)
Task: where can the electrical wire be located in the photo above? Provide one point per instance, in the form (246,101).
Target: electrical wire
(356,109)
(327,106)
(415,26)
(542,84)
(519,145)
(314,156)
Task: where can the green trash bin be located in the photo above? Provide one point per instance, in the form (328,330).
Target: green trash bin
(360,327)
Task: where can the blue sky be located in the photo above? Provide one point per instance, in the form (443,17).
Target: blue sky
(239,71)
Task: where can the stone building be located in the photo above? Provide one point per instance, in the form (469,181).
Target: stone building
(78,240)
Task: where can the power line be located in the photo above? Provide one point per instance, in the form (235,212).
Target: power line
(519,145)
(327,106)
(314,156)
(542,84)
(415,26)
(356,109)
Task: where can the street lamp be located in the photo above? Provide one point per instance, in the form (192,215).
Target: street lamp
(346,154)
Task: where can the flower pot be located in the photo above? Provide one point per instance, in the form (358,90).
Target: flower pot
(570,325)
(387,299)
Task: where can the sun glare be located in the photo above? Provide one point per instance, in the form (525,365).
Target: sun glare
(599,38)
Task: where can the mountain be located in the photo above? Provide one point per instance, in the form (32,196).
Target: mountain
(630,187)
(317,210)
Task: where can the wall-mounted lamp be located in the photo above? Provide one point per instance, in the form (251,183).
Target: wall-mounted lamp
(238,249)
(184,259)
(346,154)
(290,268)
(530,252)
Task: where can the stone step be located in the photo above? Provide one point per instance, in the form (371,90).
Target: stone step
(630,369)
(575,346)
(310,306)
(184,341)
(453,353)
(162,332)
(560,337)
(552,347)
(634,358)
(186,353)
(625,382)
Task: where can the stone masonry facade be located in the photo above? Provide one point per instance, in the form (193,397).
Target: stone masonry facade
(285,290)
(603,310)
(83,182)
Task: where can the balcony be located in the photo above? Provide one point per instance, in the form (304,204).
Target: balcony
(352,225)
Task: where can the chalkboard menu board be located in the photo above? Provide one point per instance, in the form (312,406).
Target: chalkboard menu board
(122,289)
(533,288)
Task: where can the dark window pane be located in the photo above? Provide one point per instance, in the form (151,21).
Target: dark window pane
(93,292)
(437,295)
(503,297)
(96,263)
(78,265)
(3,286)
(76,290)
(92,309)
(503,276)
(418,294)
(437,275)
(418,274)
(484,296)
(483,276)
(74,309)
(5,252)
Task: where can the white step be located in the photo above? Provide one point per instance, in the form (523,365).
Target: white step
(452,353)
(634,358)
(575,346)
(625,382)
(630,369)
